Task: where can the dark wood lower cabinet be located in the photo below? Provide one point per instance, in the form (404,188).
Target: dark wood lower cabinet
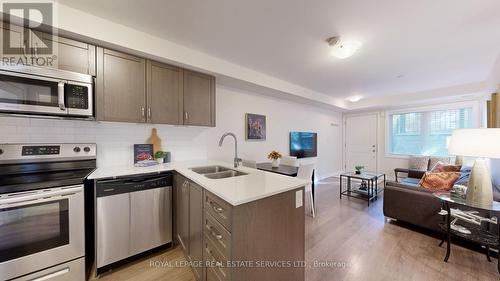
(260,240)
(196,228)
(268,238)
(181,226)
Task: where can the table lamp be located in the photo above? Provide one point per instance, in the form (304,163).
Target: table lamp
(482,143)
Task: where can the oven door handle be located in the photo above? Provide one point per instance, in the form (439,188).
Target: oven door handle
(31,198)
(52,275)
(60,95)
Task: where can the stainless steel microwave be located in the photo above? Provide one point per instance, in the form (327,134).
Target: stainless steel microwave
(44,91)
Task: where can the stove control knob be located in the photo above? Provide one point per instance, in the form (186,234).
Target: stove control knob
(1,151)
(86,149)
(76,149)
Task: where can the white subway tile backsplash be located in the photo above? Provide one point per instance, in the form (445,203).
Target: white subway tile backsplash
(115,141)
(42,122)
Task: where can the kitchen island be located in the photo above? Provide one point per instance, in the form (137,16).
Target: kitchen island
(244,227)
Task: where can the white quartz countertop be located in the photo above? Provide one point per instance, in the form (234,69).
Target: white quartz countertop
(237,190)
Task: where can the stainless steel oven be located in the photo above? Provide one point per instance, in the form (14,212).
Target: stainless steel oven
(40,91)
(42,226)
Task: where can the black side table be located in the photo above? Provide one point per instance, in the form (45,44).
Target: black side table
(479,234)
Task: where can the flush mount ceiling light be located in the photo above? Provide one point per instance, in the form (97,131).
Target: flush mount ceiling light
(342,48)
(355,98)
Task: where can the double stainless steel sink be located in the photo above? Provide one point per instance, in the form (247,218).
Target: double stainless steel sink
(217,172)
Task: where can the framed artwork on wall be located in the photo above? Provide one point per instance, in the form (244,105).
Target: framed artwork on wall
(255,126)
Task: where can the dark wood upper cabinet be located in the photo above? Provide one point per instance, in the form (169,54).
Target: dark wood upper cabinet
(66,54)
(120,87)
(199,99)
(71,55)
(18,47)
(164,93)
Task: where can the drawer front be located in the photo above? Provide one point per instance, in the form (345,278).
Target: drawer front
(220,237)
(215,260)
(219,209)
(212,275)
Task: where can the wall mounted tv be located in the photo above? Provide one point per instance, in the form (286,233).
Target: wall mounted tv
(303,144)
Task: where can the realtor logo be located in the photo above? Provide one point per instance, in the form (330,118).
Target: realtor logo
(20,44)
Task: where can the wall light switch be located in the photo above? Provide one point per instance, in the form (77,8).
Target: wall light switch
(298,199)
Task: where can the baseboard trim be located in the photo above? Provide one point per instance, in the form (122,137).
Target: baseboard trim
(334,174)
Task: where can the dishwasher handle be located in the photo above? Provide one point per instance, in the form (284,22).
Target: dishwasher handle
(137,179)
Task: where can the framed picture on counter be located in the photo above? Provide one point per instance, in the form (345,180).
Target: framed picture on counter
(143,152)
(255,126)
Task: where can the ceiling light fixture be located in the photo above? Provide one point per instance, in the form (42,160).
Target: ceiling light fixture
(355,98)
(342,48)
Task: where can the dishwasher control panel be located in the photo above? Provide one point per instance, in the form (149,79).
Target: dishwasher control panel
(132,184)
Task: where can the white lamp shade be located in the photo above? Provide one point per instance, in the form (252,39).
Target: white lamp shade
(475,142)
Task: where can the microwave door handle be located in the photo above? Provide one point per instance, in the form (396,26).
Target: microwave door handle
(60,95)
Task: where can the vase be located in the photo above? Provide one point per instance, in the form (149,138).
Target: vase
(275,163)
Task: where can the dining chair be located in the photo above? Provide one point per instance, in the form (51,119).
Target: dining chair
(289,161)
(249,163)
(306,172)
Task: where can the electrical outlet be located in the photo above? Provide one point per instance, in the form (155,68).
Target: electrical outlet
(299,201)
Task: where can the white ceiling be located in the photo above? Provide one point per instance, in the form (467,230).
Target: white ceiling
(408,46)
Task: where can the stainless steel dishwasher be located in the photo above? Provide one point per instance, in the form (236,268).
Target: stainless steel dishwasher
(133,215)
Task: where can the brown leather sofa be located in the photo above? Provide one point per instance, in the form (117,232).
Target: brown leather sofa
(408,202)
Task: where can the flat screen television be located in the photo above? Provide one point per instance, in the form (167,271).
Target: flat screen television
(303,144)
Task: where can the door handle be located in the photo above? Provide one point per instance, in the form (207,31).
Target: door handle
(149,112)
(143,112)
(186,115)
(29,199)
(60,95)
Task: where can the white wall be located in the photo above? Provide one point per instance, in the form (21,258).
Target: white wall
(281,118)
(386,163)
(115,140)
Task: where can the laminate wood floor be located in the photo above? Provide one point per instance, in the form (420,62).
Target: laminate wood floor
(347,240)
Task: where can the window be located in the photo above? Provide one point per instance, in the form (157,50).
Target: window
(425,133)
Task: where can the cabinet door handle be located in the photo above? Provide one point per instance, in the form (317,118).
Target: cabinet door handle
(185,115)
(149,112)
(217,236)
(216,207)
(142,112)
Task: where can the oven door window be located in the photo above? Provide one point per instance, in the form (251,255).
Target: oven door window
(20,90)
(30,229)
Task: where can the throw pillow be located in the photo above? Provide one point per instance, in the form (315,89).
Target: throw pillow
(439,181)
(436,159)
(420,163)
(441,167)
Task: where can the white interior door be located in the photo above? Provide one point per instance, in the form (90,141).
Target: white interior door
(360,147)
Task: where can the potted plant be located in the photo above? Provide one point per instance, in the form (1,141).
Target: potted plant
(359,169)
(274,156)
(160,156)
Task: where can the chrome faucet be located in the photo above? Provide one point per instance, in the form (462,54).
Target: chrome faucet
(237,160)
